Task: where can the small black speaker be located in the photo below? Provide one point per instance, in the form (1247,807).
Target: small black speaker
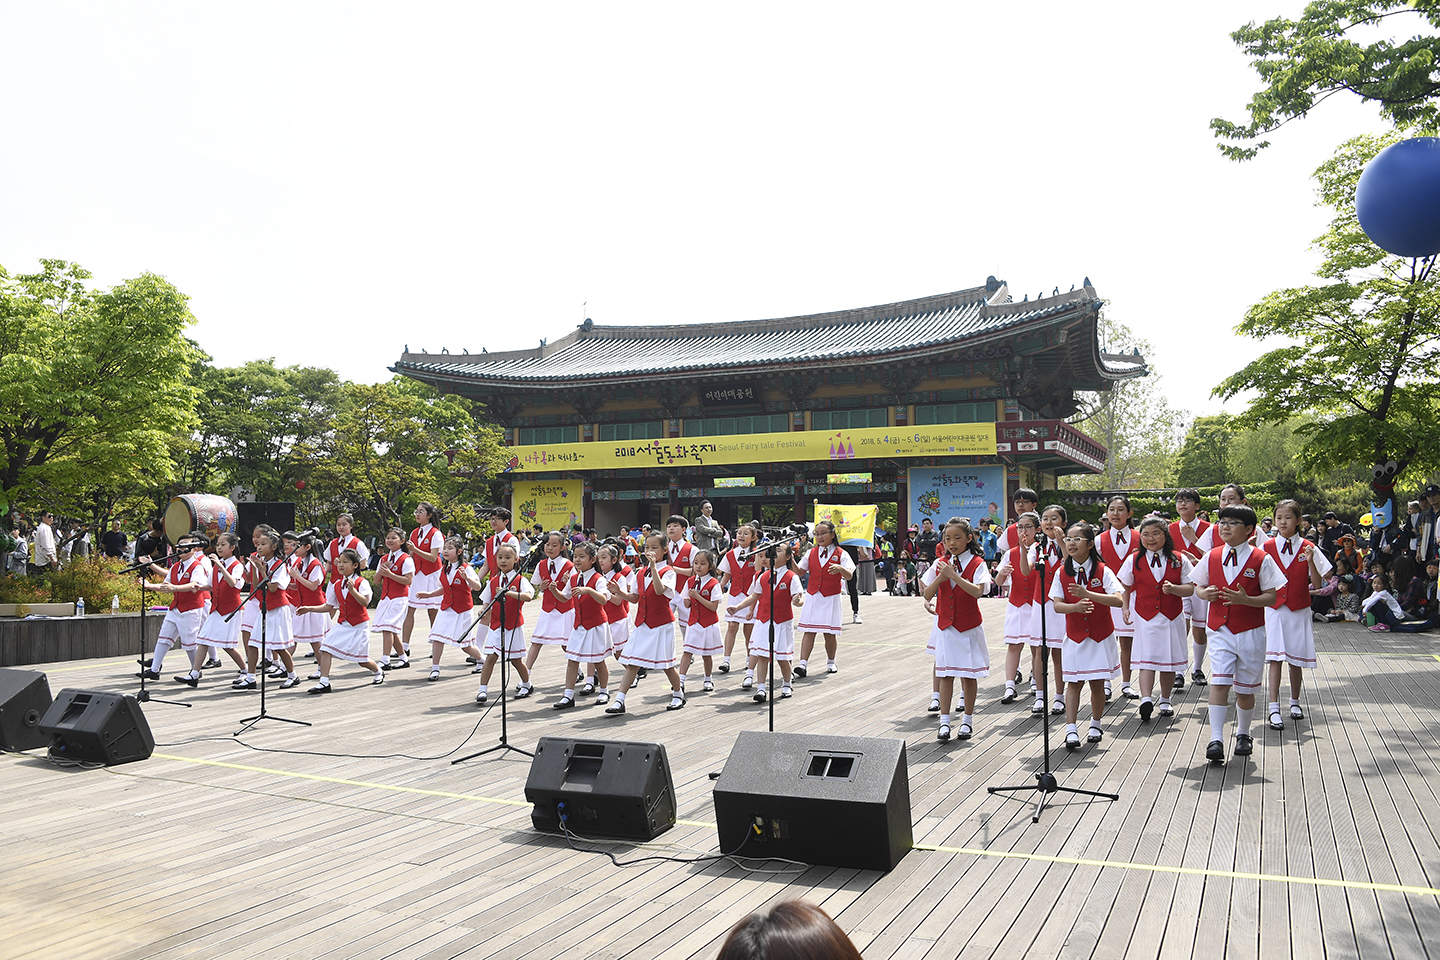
(837,801)
(24,698)
(608,788)
(95,727)
(277,513)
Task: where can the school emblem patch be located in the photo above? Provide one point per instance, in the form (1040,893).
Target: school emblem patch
(1249,573)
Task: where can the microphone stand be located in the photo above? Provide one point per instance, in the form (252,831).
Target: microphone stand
(264,660)
(144,695)
(1046,783)
(504,655)
(768,548)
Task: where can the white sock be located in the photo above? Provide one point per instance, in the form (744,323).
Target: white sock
(1009,686)
(194,672)
(1293,703)
(682,679)
(1244,716)
(602,689)
(1071,728)
(934,698)
(1217,722)
(725,660)
(570,693)
(804,663)
(749,673)
(324,680)
(1144,699)
(620,697)
(1275,707)
(967,718)
(829,663)
(484,688)
(162,647)
(379,673)
(945,719)
(760,688)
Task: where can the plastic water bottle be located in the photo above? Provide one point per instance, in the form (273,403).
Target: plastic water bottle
(115,604)
(80,607)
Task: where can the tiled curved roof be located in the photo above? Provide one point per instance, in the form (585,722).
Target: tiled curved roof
(897,330)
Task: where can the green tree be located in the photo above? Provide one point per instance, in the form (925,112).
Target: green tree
(93,385)
(1135,423)
(1262,452)
(1360,366)
(395,444)
(1306,61)
(1205,457)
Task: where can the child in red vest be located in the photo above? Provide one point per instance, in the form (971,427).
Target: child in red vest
(957,642)
(1025,501)
(1115,545)
(307,587)
(556,621)
(186,581)
(506,634)
(1018,607)
(738,571)
(458,583)
(829,567)
(652,642)
(702,633)
(590,640)
(396,572)
(772,606)
(1155,587)
(1238,581)
(1289,629)
(425,545)
(1047,625)
(273,610)
(348,596)
(220,630)
(1083,588)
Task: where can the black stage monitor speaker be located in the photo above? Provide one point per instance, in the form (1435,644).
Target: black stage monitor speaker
(838,801)
(605,788)
(95,727)
(24,698)
(278,514)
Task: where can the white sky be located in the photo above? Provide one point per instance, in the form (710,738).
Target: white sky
(329,182)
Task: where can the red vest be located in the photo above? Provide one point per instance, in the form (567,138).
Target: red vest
(226,597)
(456,589)
(1296,592)
(1110,553)
(351,611)
(1095,625)
(272,599)
(1022,588)
(332,553)
(615,612)
(953,606)
(589,612)
(783,605)
(302,595)
(397,562)
(1052,564)
(742,574)
(701,614)
(654,609)
(514,609)
(1236,618)
(182,573)
(424,537)
(1180,545)
(683,558)
(564,570)
(822,581)
(494,543)
(1149,599)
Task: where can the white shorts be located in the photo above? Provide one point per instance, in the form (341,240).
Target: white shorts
(1237,659)
(182,627)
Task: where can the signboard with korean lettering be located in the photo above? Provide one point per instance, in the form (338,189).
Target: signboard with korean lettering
(838,446)
(729,395)
(554,504)
(944,492)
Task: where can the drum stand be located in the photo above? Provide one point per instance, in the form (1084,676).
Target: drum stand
(264,663)
(1045,781)
(144,695)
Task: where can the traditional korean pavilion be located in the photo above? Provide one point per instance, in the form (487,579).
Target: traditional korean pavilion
(942,403)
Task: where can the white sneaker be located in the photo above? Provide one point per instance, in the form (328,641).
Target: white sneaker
(831,668)
(856,619)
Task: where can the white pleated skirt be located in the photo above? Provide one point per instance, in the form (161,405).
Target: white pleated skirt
(1084,660)
(820,614)
(310,627)
(277,632)
(650,647)
(390,615)
(1290,637)
(734,600)
(1018,621)
(589,646)
(424,583)
(348,642)
(553,626)
(959,653)
(1159,643)
(450,624)
(784,640)
(704,641)
(217,633)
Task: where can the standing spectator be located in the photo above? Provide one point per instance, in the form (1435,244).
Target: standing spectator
(47,558)
(1426,528)
(1308,531)
(114,541)
(708,532)
(1408,529)
(16,560)
(990,550)
(1330,536)
(864,558)
(926,541)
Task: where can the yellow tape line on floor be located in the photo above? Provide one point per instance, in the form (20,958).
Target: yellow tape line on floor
(968,851)
(1189,871)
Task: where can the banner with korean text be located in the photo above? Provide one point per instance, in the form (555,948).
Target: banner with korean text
(854,523)
(942,440)
(944,492)
(554,504)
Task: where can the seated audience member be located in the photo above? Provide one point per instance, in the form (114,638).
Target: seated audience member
(791,930)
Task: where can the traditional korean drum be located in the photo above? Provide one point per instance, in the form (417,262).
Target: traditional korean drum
(205,512)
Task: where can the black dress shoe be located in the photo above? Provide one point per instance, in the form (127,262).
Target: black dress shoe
(1215,753)
(1146,709)
(1244,744)
(564,703)
(148,675)
(800,671)
(1198,676)
(188,680)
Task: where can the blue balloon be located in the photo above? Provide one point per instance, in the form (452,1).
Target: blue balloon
(1398,198)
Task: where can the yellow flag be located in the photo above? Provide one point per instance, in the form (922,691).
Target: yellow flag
(854,523)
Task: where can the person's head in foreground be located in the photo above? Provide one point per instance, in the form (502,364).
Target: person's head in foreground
(792,930)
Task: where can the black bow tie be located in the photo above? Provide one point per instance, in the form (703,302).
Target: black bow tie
(1119,536)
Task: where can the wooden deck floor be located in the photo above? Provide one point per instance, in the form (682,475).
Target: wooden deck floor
(1321,845)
